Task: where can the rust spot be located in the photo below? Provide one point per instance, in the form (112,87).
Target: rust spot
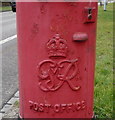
(34,31)
(43,9)
(35,28)
(73,4)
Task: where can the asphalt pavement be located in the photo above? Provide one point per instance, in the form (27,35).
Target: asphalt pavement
(9,56)
(8,24)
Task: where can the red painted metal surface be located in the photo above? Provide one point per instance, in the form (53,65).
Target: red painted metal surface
(56,45)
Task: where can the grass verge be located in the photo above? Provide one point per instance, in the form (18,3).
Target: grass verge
(104,64)
(5,8)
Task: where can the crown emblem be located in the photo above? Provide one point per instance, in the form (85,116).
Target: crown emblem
(57,47)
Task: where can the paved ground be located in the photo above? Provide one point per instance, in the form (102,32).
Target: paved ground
(11,109)
(9,57)
(8,24)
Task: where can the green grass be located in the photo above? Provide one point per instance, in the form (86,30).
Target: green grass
(5,8)
(104,64)
(16,104)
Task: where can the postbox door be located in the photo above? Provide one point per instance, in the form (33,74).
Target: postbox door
(56,44)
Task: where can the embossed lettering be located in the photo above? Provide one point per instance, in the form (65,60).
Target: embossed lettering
(57,108)
(41,107)
(78,105)
(70,107)
(31,104)
(63,107)
(83,104)
(36,106)
(47,107)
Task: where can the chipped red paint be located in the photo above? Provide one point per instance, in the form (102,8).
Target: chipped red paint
(56,70)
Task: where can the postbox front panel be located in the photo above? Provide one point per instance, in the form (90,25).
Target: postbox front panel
(56,44)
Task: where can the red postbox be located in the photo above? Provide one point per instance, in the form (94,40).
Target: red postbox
(56,45)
